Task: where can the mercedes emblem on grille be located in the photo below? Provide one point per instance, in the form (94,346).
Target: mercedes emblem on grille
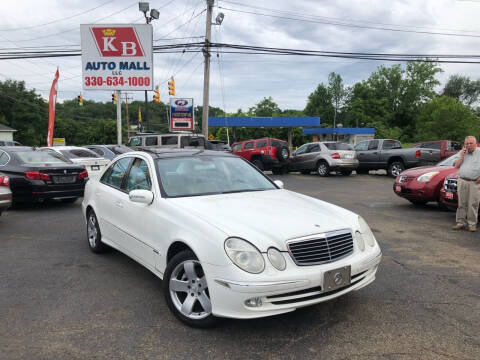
(64,171)
(338,278)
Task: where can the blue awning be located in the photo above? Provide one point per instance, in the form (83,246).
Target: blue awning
(343,131)
(296,121)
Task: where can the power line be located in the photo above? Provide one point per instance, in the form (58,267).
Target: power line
(351,25)
(57,20)
(343,20)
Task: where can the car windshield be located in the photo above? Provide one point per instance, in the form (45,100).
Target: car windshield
(338,146)
(119,149)
(449,161)
(79,153)
(40,157)
(208,175)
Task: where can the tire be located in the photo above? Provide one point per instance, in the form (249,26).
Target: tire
(186,291)
(94,236)
(323,169)
(395,168)
(69,200)
(362,171)
(345,172)
(418,202)
(282,170)
(258,163)
(283,153)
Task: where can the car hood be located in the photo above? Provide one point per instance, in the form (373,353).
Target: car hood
(417,171)
(268,218)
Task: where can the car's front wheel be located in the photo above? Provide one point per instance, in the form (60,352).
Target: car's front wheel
(186,290)
(94,235)
(323,169)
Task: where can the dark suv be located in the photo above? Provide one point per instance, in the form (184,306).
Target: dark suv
(265,154)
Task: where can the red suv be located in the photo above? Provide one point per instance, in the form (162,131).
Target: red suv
(265,153)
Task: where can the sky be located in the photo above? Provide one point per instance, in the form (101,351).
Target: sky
(241,81)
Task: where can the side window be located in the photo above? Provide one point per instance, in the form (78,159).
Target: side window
(249,145)
(3,158)
(261,144)
(302,149)
(453,146)
(362,146)
(98,151)
(237,148)
(116,172)
(151,141)
(135,141)
(373,145)
(391,144)
(138,177)
(170,140)
(313,148)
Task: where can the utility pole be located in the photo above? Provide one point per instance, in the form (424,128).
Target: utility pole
(119,117)
(206,70)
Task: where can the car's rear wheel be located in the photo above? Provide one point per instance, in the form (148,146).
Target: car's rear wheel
(323,169)
(258,163)
(186,290)
(395,168)
(94,235)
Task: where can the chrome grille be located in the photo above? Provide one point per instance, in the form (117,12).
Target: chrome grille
(323,249)
(450,185)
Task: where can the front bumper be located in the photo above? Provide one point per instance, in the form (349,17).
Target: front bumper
(284,291)
(415,190)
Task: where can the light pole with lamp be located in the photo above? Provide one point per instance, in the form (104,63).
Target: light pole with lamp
(153,15)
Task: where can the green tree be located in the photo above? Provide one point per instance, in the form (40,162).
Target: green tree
(446,118)
(320,104)
(463,89)
(338,94)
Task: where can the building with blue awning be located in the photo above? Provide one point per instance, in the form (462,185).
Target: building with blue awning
(271,121)
(349,135)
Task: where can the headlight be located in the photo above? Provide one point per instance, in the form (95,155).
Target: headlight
(277,259)
(359,240)
(244,255)
(427,177)
(366,232)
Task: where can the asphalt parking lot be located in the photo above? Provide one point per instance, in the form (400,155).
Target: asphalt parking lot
(60,301)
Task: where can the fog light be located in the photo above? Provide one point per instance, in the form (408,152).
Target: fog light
(254,302)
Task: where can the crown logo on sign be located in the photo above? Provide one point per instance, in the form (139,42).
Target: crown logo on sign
(109,32)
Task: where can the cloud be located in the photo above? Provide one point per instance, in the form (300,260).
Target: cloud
(246,78)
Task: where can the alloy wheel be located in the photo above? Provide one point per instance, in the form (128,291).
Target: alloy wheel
(92,230)
(189,290)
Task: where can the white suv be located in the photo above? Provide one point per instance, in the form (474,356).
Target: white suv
(173,140)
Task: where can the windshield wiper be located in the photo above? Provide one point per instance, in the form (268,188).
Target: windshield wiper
(243,190)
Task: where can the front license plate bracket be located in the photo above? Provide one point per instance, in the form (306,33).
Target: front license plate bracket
(337,278)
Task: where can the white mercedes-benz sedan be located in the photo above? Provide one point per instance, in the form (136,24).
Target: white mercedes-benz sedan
(226,240)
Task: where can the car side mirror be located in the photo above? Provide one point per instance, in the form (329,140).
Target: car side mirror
(141,196)
(279,183)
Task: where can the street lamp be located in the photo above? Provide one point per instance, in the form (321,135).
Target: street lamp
(154,15)
(144,7)
(219,19)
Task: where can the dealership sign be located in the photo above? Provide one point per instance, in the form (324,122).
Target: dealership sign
(181,114)
(117,57)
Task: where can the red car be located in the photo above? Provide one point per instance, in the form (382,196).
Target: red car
(265,153)
(423,184)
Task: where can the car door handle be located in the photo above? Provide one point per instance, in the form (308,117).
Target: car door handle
(97,193)
(119,204)
(374,153)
